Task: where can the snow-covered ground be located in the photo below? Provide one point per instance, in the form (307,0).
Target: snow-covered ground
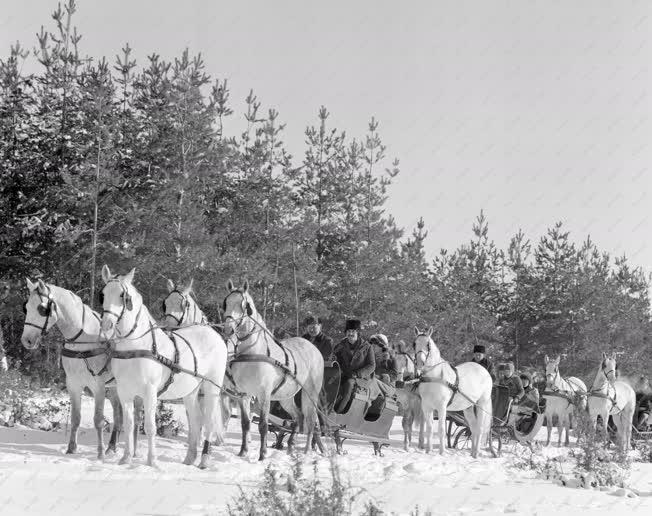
(36,477)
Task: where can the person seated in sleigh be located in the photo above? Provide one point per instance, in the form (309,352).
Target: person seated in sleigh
(356,359)
(386,367)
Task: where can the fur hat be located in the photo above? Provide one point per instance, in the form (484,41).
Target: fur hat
(479,348)
(352,324)
(525,376)
(311,319)
(379,339)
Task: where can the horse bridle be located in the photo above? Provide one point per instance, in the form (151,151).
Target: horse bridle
(185,304)
(44,309)
(247,313)
(127,305)
(556,375)
(607,373)
(416,353)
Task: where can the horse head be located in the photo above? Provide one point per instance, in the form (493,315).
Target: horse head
(239,311)
(608,367)
(121,302)
(179,307)
(40,313)
(552,370)
(425,350)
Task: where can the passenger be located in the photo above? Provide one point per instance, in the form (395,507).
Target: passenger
(530,399)
(322,342)
(356,360)
(480,357)
(386,367)
(513,383)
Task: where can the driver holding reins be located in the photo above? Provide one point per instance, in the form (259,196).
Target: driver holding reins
(356,359)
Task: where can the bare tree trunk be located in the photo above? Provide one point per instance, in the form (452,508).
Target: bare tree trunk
(95,203)
(296,289)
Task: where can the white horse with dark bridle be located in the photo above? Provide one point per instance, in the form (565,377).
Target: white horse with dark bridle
(83,357)
(562,395)
(153,364)
(272,370)
(442,387)
(181,309)
(611,397)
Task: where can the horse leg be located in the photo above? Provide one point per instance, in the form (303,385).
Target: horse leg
(441,420)
(98,417)
(472,421)
(212,423)
(263,402)
(548,428)
(310,396)
(75,416)
(560,428)
(128,416)
(138,420)
(117,421)
(408,420)
(291,408)
(427,414)
(149,403)
(191,403)
(245,425)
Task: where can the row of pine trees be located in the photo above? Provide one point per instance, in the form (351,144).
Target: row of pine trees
(138,165)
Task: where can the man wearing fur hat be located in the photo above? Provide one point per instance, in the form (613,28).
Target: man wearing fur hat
(480,357)
(315,335)
(356,359)
(386,368)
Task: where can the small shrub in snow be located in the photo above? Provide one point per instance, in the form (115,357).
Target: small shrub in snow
(42,409)
(166,424)
(594,459)
(644,451)
(292,492)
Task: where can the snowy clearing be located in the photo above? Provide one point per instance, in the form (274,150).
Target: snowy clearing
(36,477)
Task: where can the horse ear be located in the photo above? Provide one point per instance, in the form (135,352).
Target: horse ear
(245,287)
(106,273)
(170,285)
(41,286)
(230,286)
(129,278)
(30,286)
(416,332)
(604,356)
(430,330)
(558,359)
(546,359)
(188,289)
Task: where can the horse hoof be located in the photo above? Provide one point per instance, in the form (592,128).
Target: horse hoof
(100,456)
(203,464)
(71,451)
(261,458)
(189,461)
(110,452)
(125,461)
(243,453)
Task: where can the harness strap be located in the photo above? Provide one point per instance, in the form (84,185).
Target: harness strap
(89,353)
(170,379)
(454,387)
(192,351)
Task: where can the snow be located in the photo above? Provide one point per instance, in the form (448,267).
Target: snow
(36,477)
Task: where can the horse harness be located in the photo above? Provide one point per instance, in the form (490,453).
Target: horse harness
(454,387)
(185,304)
(596,393)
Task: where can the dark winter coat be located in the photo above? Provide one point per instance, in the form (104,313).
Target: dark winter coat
(355,360)
(324,344)
(489,366)
(385,364)
(530,398)
(514,386)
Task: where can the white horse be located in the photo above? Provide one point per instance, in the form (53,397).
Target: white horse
(443,387)
(271,370)
(611,397)
(561,395)
(84,356)
(146,358)
(4,366)
(405,362)
(181,309)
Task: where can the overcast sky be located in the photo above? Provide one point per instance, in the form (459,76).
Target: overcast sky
(535,111)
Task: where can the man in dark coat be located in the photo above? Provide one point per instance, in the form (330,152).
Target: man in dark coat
(315,335)
(356,360)
(480,357)
(386,368)
(513,383)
